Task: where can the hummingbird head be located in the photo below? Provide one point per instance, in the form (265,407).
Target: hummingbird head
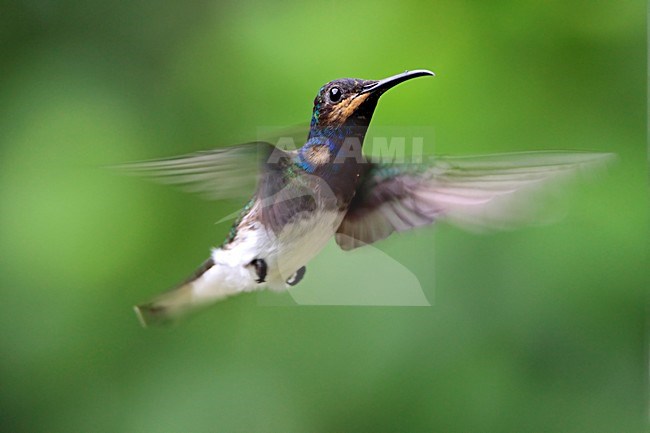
(350,102)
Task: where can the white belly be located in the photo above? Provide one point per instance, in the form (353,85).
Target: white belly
(232,272)
(283,253)
(300,242)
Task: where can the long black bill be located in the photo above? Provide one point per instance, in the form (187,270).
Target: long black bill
(382,85)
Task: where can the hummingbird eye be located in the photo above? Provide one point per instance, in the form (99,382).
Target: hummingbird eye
(335,94)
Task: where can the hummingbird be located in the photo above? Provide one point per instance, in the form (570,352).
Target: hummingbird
(328,189)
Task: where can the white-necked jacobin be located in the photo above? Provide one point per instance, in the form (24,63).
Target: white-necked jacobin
(328,188)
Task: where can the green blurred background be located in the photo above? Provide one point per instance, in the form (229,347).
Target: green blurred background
(536,330)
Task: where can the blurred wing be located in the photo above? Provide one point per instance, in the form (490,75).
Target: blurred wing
(216,174)
(493,191)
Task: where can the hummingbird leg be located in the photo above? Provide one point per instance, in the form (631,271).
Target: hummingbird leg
(297,277)
(260,269)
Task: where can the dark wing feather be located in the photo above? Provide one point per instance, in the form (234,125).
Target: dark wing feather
(285,191)
(227,172)
(494,191)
